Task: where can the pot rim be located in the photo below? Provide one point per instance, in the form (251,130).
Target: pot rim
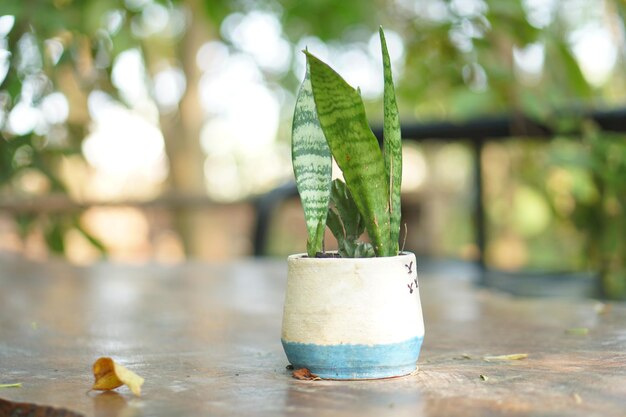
(303,257)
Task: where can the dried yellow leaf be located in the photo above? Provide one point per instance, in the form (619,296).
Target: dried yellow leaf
(512,357)
(110,375)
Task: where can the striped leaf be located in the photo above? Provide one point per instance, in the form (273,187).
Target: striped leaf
(312,164)
(392,145)
(342,117)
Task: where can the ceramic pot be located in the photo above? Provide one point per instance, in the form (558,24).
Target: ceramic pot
(353,318)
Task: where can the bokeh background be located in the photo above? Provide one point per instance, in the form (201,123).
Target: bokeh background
(143,130)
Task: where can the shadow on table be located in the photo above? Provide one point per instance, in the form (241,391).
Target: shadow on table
(113,404)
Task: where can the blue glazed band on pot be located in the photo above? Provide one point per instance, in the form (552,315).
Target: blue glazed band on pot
(355,361)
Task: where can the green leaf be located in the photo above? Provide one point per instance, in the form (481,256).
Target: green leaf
(312,164)
(392,145)
(333,221)
(364,250)
(348,212)
(346,223)
(342,117)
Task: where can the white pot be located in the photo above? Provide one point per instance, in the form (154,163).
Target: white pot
(353,318)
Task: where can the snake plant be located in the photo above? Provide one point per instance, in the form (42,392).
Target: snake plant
(330,122)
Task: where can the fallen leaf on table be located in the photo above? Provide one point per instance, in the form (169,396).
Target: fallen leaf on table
(578,331)
(484,377)
(577,398)
(305,375)
(512,357)
(16,385)
(110,375)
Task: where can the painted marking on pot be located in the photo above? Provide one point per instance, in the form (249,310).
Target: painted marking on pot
(353,361)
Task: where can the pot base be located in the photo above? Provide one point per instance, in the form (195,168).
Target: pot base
(353,361)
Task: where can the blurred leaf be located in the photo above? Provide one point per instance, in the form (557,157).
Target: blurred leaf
(25,222)
(577,331)
(511,357)
(560,58)
(54,237)
(91,238)
(510,17)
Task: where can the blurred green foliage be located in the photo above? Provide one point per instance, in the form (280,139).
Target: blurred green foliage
(50,42)
(458,62)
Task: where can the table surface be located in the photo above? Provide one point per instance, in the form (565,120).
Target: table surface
(206,338)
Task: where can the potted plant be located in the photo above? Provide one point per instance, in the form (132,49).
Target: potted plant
(354,313)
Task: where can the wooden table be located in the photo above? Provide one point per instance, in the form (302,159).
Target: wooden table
(206,340)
